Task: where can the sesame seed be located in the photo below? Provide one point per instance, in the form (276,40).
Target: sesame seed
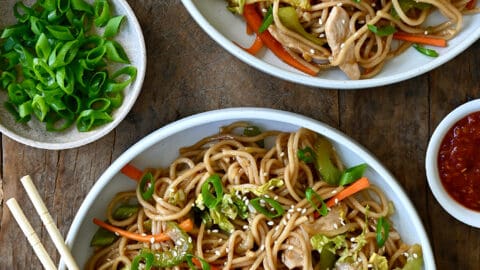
(304,211)
(343,21)
(152,240)
(339,4)
(335,191)
(276,197)
(270,223)
(227,249)
(215,231)
(299,209)
(335,225)
(320,21)
(415,255)
(284,222)
(282,154)
(426,32)
(245,227)
(217,253)
(341,47)
(290,247)
(262,247)
(312,51)
(289,215)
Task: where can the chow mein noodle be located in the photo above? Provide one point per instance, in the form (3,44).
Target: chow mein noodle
(357,36)
(251,199)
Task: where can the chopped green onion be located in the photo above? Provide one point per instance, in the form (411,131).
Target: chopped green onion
(212,200)
(310,195)
(382,31)
(267,20)
(147,186)
(53,47)
(252,131)
(425,51)
(351,174)
(113,26)
(146,257)
(306,155)
(260,204)
(383,228)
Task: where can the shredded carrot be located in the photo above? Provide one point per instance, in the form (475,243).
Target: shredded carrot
(186,225)
(439,42)
(199,264)
(256,46)
(355,187)
(254,21)
(249,31)
(132,172)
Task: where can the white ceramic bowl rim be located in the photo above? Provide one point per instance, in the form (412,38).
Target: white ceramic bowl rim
(456,46)
(118,115)
(232,114)
(454,208)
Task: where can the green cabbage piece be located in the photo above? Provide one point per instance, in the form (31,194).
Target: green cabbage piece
(259,190)
(378,262)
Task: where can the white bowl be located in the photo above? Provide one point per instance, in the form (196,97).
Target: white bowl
(450,205)
(161,147)
(34,132)
(226,28)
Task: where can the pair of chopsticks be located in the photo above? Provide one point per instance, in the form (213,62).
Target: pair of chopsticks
(47,221)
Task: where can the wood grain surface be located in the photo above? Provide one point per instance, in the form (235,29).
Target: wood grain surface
(188,73)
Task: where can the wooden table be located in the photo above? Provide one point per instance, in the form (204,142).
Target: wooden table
(189,73)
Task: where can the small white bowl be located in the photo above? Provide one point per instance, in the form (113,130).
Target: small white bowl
(34,132)
(450,205)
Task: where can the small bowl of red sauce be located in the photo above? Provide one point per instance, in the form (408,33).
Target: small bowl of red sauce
(453,163)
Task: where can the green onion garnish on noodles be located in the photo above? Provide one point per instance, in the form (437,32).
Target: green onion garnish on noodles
(306,155)
(351,174)
(425,51)
(267,21)
(383,228)
(146,259)
(210,199)
(314,199)
(147,186)
(382,31)
(261,205)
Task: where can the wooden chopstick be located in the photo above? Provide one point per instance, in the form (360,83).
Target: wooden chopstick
(30,234)
(49,223)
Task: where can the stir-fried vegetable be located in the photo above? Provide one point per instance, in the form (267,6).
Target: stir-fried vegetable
(268,207)
(288,16)
(383,228)
(425,51)
(314,199)
(147,186)
(324,153)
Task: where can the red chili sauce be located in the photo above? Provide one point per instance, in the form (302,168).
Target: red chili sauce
(459,161)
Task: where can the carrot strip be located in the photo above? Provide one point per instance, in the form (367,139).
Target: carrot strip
(256,46)
(254,21)
(355,187)
(199,264)
(439,42)
(132,172)
(186,225)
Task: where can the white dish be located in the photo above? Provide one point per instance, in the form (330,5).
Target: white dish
(166,141)
(34,133)
(454,208)
(226,28)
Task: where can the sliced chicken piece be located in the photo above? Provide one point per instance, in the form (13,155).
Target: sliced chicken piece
(292,258)
(331,222)
(336,32)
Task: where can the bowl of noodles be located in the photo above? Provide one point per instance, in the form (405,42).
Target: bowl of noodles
(247,188)
(340,44)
